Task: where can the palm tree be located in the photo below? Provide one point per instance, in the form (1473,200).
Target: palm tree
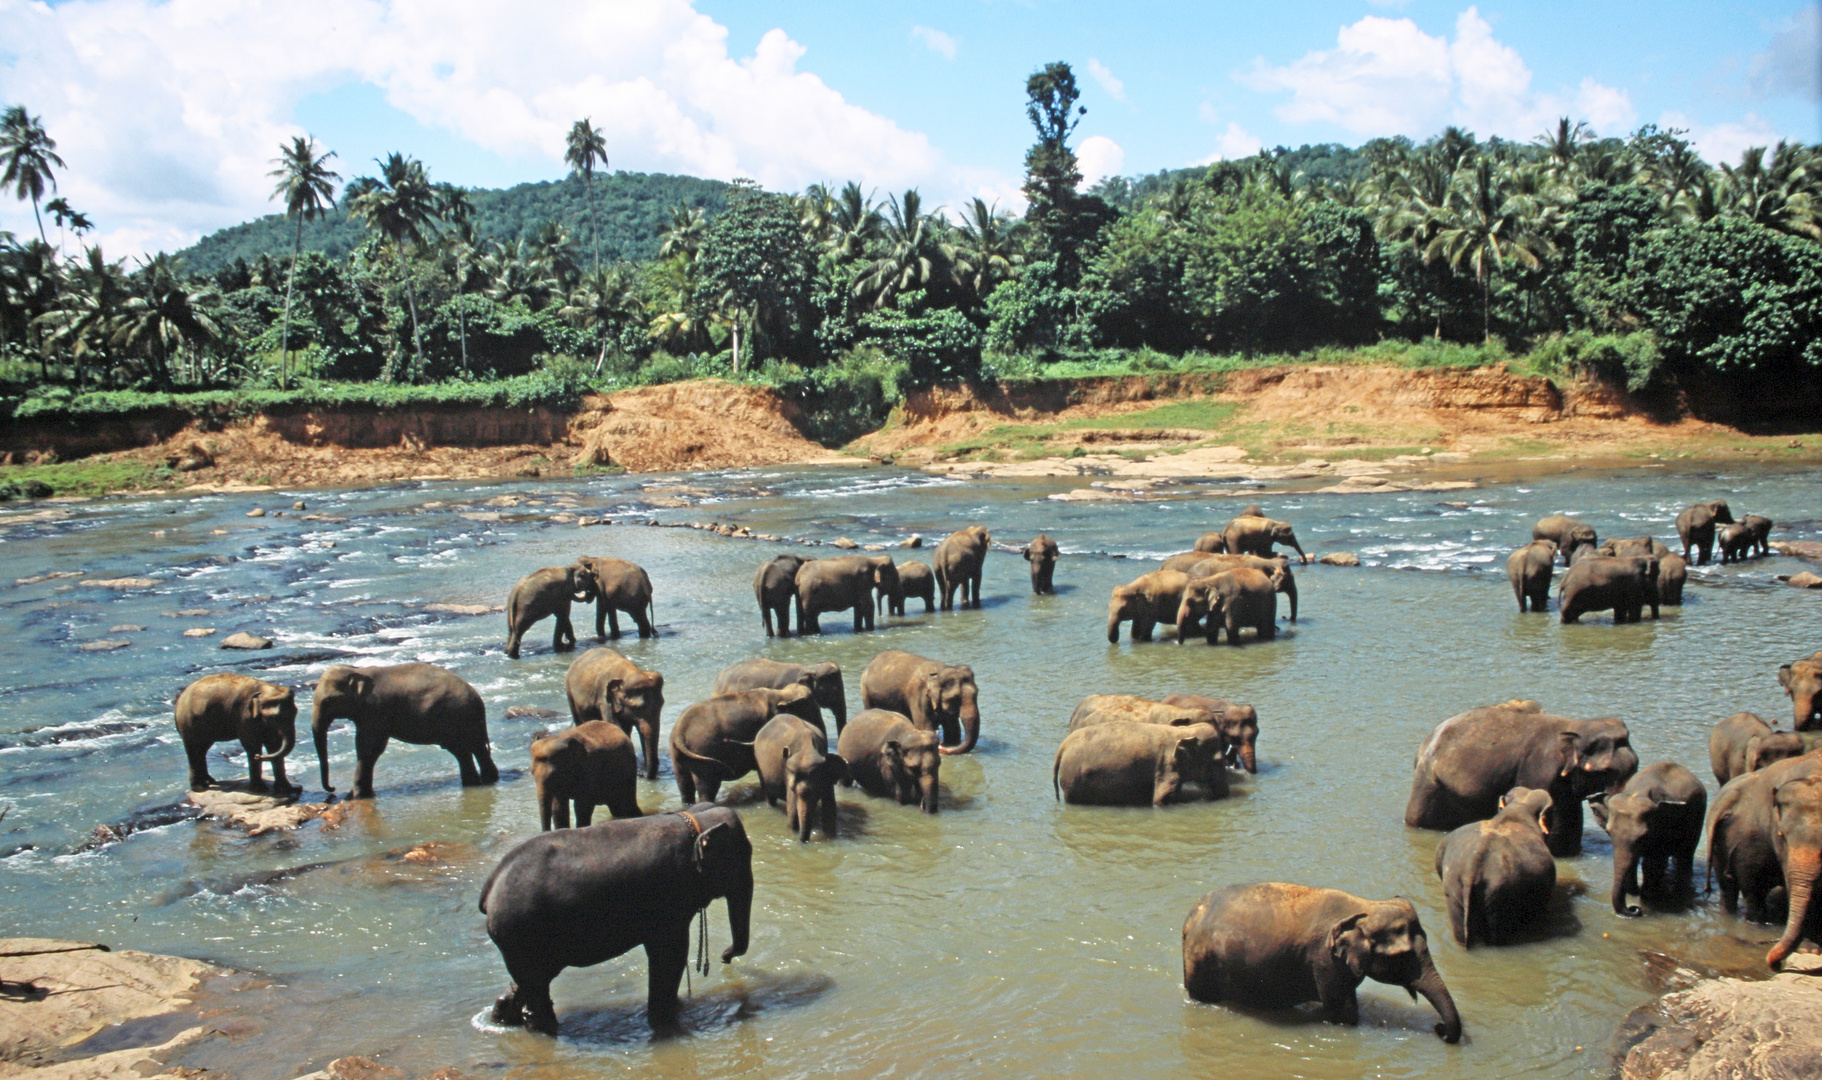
(603,302)
(1490,219)
(517,274)
(986,252)
(910,252)
(88,309)
(1564,146)
(585,149)
(400,205)
(551,247)
(683,239)
(28,154)
(166,315)
(855,223)
(307,187)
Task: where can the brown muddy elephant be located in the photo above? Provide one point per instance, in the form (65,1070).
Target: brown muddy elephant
(1743,743)
(1145,601)
(1205,564)
(1211,543)
(1673,574)
(888,756)
(1567,533)
(589,765)
(544,593)
(602,684)
(775,587)
(823,679)
(259,715)
(712,740)
(1631,546)
(1760,527)
(1766,832)
(1041,553)
(1471,759)
(958,562)
(621,586)
(1656,825)
(1695,527)
(1126,764)
(1624,586)
(1238,723)
(1231,600)
(1498,875)
(1252,535)
(915,581)
(1802,683)
(1529,569)
(795,765)
(935,696)
(1736,542)
(1276,946)
(1132,709)
(414,703)
(846,581)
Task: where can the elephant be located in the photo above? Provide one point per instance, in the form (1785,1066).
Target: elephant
(1252,535)
(1695,527)
(1673,573)
(1802,683)
(1627,586)
(543,593)
(795,764)
(1498,874)
(622,586)
(1568,534)
(414,703)
(915,579)
(1766,832)
(712,741)
(1203,564)
(846,581)
(1238,723)
(1530,569)
(888,756)
(935,696)
(1211,543)
(823,679)
(1736,542)
(1041,553)
(1471,759)
(1743,743)
(775,586)
(238,708)
(1127,764)
(602,684)
(1145,601)
(578,897)
(1233,599)
(1275,945)
(1655,821)
(1131,709)
(591,764)
(1635,545)
(1761,532)
(958,562)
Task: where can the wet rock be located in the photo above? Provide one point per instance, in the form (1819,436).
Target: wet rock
(299,505)
(257,511)
(531,712)
(912,541)
(52,576)
(464,609)
(104,645)
(1731,1028)
(585,522)
(200,631)
(188,613)
(1802,549)
(1340,558)
(844,543)
(562,519)
(244,640)
(365,1068)
(1803,580)
(125,628)
(252,811)
(120,583)
(873,547)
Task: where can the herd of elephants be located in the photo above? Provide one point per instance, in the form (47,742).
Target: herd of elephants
(1506,783)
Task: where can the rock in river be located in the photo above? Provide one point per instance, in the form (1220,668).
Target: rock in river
(1733,1028)
(244,640)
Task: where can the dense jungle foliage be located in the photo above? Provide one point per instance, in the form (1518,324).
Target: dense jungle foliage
(1630,257)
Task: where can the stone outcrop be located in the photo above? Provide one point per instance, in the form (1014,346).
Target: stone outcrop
(1732,1029)
(254,812)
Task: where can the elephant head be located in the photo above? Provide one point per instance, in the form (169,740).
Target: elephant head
(272,711)
(584,586)
(1596,755)
(341,694)
(1198,602)
(1041,553)
(1723,515)
(911,765)
(1762,750)
(638,700)
(1282,533)
(1802,680)
(1386,943)
(809,789)
(1128,603)
(798,700)
(1628,819)
(1239,726)
(826,683)
(951,700)
(724,861)
(1201,755)
(885,575)
(1796,809)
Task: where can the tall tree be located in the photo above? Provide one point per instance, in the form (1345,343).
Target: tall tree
(755,266)
(586,148)
(166,316)
(984,254)
(27,153)
(1065,220)
(910,254)
(603,302)
(307,187)
(88,310)
(1491,219)
(401,205)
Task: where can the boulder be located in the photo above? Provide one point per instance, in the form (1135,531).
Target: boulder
(244,640)
(104,645)
(1340,558)
(912,541)
(1803,580)
(1733,1029)
(200,631)
(257,511)
(120,583)
(254,812)
(844,543)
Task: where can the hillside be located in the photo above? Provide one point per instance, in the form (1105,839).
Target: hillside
(631,210)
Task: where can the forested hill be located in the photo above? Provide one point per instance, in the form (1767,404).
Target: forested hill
(631,210)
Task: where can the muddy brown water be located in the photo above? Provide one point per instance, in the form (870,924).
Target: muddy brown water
(1008,936)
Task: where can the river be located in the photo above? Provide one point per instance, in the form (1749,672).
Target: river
(1007,936)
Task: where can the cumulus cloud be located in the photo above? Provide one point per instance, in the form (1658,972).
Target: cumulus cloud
(1234,143)
(1792,65)
(169,113)
(1099,157)
(1388,77)
(1724,142)
(1114,87)
(936,41)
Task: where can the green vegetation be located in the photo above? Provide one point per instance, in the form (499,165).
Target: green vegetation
(94,476)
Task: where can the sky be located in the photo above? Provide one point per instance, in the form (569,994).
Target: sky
(168,113)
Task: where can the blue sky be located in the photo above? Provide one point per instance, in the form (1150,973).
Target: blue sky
(168,112)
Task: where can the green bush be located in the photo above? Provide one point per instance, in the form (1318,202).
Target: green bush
(843,400)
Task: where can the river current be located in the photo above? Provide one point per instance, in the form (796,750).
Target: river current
(1009,935)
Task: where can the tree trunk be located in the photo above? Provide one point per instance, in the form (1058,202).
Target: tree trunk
(40,220)
(462,322)
(736,339)
(1486,309)
(417,342)
(602,359)
(284,334)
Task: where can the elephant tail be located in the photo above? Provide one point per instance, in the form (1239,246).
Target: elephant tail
(702,759)
(487,886)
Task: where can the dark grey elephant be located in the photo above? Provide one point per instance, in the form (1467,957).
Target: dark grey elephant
(1567,533)
(1127,764)
(545,593)
(1743,743)
(602,684)
(935,696)
(1530,569)
(1276,946)
(580,897)
(1736,542)
(414,703)
(1498,874)
(1656,823)
(916,581)
(259,715)
(823,679)
(1624,586)
(1766,832)
(795,765)
(841,583)
(621,587)
(1673,573)
(588,765)
(775,587)
(1242,598)
(888,756)
(1470,760)
(1041,553)
(712,740)
(1695,527)
(1760,527)
(958,562)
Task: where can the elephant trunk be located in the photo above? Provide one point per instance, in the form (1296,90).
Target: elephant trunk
(1625,864)
(1186,619)
(1248,761)
(740,916)
(1806,707)
(1800,870)
(288,745)
(1113,628)
(319,731)
(1429,983)
(970,718)
(1290,590)
(926,787)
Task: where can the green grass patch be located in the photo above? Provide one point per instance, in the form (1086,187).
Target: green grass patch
(95,476)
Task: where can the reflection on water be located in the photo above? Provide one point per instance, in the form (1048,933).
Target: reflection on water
(1006,935)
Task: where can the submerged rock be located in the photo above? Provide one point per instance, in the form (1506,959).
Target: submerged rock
(1803,580)
(1731,1028)
(104,645)
(244,640)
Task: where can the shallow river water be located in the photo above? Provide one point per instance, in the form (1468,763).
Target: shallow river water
(1007,936)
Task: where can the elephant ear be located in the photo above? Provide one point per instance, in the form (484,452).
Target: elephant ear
(1337,939)
(838,769)
(708,844)
(1784,674)
(892,751)
(1572,754)
(1597,803)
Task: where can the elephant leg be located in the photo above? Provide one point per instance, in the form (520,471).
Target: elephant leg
(198,753)
(601,619)
(765,616)
(513,634)
(665,957)
(807,622)
(829,825)
(784,619)
(710,787)
(585,813)
(465,762)
(564,638)
(613,623)
(1268,631)
(1565,836)
(1339,1004)
(508,1010)
(527,1001)
(369,744)
(790,806)
(256,773)
(686,783)
(861,612)
(559,813)
(1233,630)
(490,773)
(646,629)
(547,811)
(1141,629)
(977,589)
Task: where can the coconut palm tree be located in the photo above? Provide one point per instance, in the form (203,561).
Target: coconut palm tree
(585,149)
(855,223)
(27,153)
(166,315)
(683,237)
(1490,219)
(307,186)
(400,205)
(910,252)
(603,302)
(551,246)
(86,312)
(985,252)
(518,274)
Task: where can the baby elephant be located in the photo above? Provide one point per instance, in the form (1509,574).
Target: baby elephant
(1498,875)
(1529,569)
(1145,602)
(1655,818)
(1041,553)
(591,765)
(1232,600)
(887,755)
(914,581)
(1276,946)
(1736,542)
(239,708)
(795,764)
(1760,527)
(544,593)
(1125,764)
(712,742)
(1743,743)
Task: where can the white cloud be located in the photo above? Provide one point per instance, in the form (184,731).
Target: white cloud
(1235,143)
(1725,142)
(1114,87)
(1790,64)
(936,41)
(1099,157)
(169,113)
(1387,77)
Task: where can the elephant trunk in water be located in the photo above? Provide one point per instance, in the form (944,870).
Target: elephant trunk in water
(926,793)
(970,717)
(1800,870)
(1429,983)
(1623,866)
(740,916)
(319,731)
